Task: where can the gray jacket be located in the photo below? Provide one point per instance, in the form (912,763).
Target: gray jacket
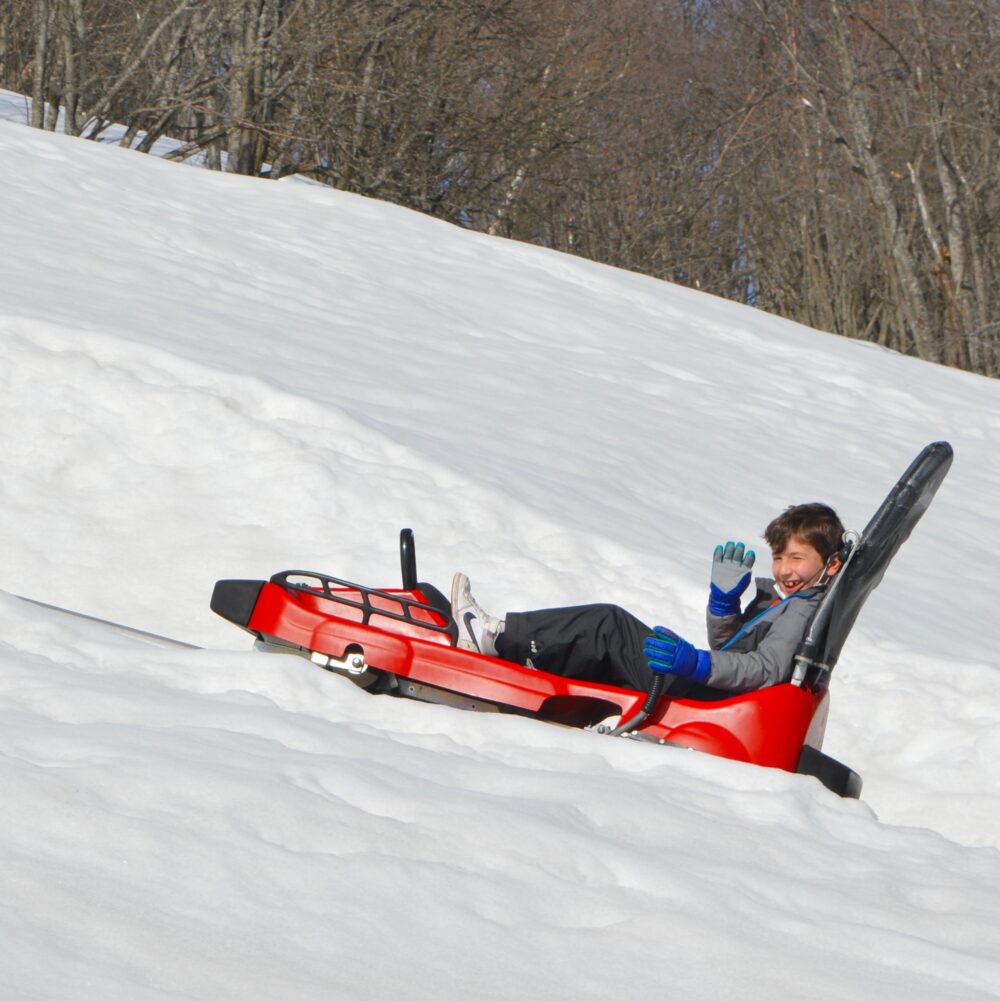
(761,641)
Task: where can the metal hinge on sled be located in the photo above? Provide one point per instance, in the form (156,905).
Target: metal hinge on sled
(352,662)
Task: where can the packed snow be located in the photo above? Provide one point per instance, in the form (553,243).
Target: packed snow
(211,376)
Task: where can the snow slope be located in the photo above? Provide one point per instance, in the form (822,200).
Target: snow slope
(209,376)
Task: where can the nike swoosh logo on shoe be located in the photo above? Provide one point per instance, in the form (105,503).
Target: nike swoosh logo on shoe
(468,619)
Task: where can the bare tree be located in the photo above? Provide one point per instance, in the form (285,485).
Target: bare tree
(834,161)
(41,62)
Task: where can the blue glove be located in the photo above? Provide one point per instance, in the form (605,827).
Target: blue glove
(667,653)
(730,577)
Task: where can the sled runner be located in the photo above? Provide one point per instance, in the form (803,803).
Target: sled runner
(402,641)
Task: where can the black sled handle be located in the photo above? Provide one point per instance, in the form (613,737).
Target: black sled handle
(408,559)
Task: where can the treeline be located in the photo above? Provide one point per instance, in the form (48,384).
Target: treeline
(833,161)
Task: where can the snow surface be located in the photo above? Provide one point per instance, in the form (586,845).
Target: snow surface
(209,376)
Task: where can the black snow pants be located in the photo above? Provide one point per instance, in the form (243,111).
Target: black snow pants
(588,642)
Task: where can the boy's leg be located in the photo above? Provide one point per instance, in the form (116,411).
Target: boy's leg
(590,642)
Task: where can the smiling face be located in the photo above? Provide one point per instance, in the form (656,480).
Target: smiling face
(799,565)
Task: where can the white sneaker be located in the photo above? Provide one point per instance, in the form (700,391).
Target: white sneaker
(477,630)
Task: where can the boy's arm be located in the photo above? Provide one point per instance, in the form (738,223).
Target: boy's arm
(721,628)
(771,662)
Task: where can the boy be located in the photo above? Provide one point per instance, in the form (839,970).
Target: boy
(747,649)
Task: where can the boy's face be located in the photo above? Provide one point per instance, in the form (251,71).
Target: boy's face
(799,565)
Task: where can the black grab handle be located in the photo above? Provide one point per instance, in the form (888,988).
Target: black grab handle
(408,559)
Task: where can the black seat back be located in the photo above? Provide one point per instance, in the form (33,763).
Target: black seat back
(866,562)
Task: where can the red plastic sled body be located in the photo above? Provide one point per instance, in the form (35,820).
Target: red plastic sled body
(407,635)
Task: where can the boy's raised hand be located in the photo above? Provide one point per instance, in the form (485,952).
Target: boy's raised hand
(731,565)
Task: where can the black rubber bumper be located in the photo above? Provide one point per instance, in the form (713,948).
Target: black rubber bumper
(836,777)
(235,599)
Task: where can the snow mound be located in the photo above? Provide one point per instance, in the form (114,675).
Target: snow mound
(209,376)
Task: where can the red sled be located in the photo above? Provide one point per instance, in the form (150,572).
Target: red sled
(402,642)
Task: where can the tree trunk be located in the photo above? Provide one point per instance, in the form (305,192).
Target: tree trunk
(39,75)
(860,121)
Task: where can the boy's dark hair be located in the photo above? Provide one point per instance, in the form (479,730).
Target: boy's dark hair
(817,524)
